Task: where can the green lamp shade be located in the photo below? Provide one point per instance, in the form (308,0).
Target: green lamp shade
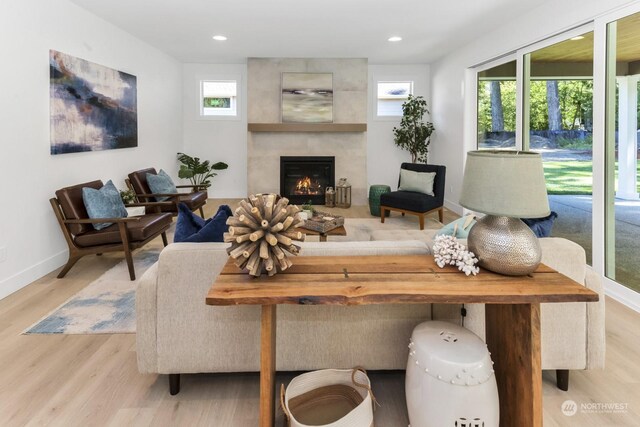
(505,183)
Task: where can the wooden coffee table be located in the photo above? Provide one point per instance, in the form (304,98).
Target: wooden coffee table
(339,231)
(512,312)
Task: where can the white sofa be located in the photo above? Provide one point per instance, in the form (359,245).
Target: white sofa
(178,333)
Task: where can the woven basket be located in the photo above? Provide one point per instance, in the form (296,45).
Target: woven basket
(329,398)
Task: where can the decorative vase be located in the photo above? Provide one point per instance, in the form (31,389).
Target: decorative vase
(505,245)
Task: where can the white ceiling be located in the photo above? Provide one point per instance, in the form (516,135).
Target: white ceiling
(305,28)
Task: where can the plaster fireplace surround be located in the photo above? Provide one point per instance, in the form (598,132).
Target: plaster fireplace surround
(264,149)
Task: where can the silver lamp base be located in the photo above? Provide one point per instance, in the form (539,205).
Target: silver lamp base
(505,245)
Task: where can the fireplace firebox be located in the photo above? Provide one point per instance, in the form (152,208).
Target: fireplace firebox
(305,178)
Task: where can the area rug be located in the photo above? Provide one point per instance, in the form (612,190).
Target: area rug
(107,305)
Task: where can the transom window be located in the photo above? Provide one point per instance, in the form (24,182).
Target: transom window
(391,96)
(218,97)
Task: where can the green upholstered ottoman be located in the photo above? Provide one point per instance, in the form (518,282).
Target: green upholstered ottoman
(374,198)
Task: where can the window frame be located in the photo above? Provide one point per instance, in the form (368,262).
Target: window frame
(377,98)
(388,78)
(200,80)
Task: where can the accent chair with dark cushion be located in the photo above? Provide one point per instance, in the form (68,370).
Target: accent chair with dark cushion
(194,200)
(124,234)
(414,202)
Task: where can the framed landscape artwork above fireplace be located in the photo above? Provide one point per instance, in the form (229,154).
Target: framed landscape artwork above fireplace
(307,97)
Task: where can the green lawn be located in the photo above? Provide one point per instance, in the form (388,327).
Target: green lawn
(571,177)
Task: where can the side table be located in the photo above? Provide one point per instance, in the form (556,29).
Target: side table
(512,312)
(374,198)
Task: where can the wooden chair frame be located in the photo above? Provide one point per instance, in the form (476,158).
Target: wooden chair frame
(175,197)
(76,252)
(420,215)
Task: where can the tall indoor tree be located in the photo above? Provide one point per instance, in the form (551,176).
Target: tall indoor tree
(414,134)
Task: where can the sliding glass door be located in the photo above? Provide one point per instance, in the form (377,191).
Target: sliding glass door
(622,203)
(574,98)
(558,123)
(496,106)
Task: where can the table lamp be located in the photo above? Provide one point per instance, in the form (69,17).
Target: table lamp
(506,186)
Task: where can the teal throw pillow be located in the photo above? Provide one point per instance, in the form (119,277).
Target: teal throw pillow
(421,182)
(161,184)
(103,203)
(463,224)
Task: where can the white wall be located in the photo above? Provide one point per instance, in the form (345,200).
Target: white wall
(28,173)
(448,75)
(383,157)
(226,140)
(218,139)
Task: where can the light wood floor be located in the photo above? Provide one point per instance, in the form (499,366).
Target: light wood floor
(92,380)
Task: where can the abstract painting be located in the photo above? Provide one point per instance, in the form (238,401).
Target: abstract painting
(307,98)
(92,107)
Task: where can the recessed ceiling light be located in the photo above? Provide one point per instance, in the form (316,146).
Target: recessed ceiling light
(577,38)
(219,38)
(395,39)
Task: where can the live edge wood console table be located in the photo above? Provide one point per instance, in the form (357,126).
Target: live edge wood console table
(512,312)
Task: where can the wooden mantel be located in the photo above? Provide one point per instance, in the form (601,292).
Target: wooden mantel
(307,127)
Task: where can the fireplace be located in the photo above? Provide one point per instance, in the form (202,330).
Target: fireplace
(306,178)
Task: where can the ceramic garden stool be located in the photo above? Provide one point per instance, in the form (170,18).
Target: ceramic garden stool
(450,379)
(374,198)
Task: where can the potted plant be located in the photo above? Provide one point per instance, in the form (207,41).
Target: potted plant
(127,196)
(198,172)
(307,210)
(414,134)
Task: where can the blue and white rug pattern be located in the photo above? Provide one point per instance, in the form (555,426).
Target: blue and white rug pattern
(105,306)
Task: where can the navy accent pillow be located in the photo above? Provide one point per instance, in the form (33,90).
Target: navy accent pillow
(541,227)
(162,184)
(191,228)
(103,203)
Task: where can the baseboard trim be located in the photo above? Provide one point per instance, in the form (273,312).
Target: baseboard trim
(622,294)
(29,275)
(453,206)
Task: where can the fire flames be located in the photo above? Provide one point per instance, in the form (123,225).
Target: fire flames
(308,186)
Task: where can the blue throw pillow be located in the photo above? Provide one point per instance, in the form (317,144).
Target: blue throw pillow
(461,233)
(161,184)
(191,228)
(103,203)
(541,227)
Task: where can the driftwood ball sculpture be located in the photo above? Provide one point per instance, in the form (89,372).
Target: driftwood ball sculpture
(261,232)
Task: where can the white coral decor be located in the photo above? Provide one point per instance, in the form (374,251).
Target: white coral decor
(448,251)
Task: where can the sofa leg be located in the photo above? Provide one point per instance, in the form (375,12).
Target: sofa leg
(562,379)
(441,215)
(421,222)
(202,212)
(164,238)
(174,384)
(382,214)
